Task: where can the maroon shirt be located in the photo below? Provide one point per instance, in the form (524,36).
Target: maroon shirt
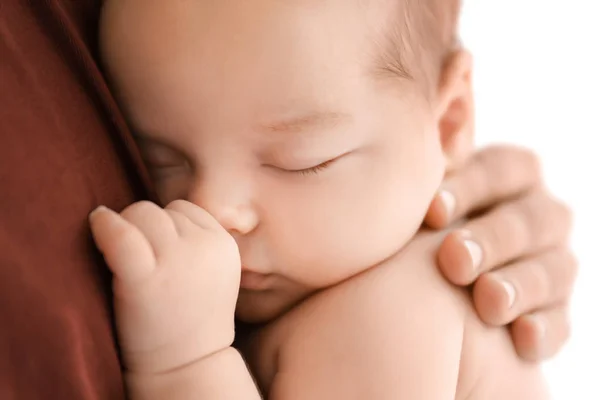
(64,149)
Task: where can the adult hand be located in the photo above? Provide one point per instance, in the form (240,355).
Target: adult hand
(513,247)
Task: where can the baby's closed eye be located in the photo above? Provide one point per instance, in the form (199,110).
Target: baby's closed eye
(314,169)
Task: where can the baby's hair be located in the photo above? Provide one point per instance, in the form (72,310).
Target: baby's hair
(418,40)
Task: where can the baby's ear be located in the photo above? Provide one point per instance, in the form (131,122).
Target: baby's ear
(455,108)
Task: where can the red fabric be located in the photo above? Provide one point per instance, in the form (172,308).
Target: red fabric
(64,149)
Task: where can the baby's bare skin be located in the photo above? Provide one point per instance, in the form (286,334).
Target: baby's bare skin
(390,319)
(397,330)
(295,152)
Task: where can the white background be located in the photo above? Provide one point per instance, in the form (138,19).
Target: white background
(537,83)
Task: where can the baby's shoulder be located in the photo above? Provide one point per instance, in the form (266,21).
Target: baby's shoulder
(376,330)
(387,330)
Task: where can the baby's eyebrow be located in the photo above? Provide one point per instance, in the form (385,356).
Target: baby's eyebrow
(312,121)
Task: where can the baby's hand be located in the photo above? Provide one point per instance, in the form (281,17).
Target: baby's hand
(176,280)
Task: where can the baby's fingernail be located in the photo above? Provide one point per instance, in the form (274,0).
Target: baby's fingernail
(449,202)
(475,252)
(97,210)
(511,293)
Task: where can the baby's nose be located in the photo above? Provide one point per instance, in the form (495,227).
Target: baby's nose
(229,202)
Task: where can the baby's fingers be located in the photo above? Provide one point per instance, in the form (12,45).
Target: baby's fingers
(125,249)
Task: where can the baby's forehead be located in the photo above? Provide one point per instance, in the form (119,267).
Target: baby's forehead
(242,30)
(238,14)
(327,29)
(241,51)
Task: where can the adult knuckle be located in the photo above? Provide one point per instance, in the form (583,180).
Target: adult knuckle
(477,182)
(506,152)
(560,268)
(521,225)
(558,214)
(530,161)
(564,210)
(496,151)
(516,162)
(544,284)
(498,173)
(571,265)
(542,223)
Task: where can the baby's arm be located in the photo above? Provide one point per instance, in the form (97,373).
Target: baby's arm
(222,375)
(176,277)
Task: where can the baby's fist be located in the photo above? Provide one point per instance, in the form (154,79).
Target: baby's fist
(176,280)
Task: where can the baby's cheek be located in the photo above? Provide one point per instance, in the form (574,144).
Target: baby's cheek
(325,246)
(392,215)
(354,222)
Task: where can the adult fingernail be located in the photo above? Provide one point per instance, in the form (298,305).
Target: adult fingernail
(449,202)
(511,293)
(475,252)
(540,333)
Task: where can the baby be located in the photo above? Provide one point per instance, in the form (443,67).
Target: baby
(313,135)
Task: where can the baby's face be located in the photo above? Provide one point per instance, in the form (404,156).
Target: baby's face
(266,114)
